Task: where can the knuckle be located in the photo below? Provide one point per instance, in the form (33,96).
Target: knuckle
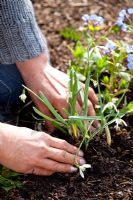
(43,150)
(43,141)
(65,144)
(64,154)
(56,167)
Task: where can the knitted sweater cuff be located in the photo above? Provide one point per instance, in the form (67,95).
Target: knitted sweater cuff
(20,36)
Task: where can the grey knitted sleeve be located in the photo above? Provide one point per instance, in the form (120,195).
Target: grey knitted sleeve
(20,36)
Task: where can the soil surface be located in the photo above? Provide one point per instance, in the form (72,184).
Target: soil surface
(111,175)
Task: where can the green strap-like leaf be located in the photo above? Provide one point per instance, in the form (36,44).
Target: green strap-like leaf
(44,100)
(88,118)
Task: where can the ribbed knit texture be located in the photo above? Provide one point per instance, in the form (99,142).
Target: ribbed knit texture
(20,36)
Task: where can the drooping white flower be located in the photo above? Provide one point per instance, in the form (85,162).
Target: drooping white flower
(82,169)
(23,97)
(110,105)
(118,122)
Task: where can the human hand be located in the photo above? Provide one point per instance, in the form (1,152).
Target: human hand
(26,151)
(40,76)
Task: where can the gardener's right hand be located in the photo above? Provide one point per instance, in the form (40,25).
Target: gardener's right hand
(26,151)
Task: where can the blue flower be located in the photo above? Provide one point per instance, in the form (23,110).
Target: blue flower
(122,14)
(85,18)
(130,11)
(110,46)
(130,58)
(130,65)
(129,49)
(130,61)
(94,19)
(124,27)
(119,21)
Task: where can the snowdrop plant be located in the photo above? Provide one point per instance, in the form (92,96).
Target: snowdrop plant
(105,64)
(78,125)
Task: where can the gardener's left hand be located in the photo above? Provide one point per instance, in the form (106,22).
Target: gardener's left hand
(38,75)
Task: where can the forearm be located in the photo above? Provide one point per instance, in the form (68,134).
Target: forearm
(20,36)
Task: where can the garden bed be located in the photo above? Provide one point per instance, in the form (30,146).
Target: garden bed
(111,175)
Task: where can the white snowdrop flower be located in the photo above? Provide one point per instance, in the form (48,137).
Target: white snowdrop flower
(119,122)
(23,97)
(110,105)
(82,169)
(114,100)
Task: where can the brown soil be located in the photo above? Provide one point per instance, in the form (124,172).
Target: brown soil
(111,175)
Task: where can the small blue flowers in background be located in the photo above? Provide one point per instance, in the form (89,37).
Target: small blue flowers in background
(120,20)
(85,18)
(94,19)
(130,65)
(129,49)
(122,15)
(130,61)
(124,27)
(130,11)
(110,46)
(130,58)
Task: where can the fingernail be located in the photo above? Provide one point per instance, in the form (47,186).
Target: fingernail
(73,169)
(81,153)
(82,161)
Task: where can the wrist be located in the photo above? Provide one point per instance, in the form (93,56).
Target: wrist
(33,66)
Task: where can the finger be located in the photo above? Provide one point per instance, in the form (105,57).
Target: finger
(62,144)
(78,108)
(61,105)
(40,171)
(56,166)
(90,128)
(91,95)
(64,157)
